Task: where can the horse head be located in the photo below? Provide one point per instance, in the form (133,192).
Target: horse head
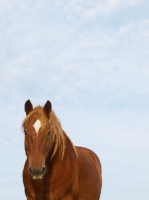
(37,129)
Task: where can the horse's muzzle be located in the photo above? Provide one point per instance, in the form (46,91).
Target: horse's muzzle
(37,173)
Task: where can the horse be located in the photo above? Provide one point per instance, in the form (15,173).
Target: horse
(55,169)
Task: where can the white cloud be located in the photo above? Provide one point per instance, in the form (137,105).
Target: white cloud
(108,6)
(97,60)
(5,6)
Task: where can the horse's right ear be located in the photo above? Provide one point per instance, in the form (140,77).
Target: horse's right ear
(47,108)
(28,107)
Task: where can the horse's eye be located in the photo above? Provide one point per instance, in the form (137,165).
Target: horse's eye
(49,133)
(25,133)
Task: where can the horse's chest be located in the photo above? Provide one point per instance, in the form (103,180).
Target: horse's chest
(56,191)
(59,188)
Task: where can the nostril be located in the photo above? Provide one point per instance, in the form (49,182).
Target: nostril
(30,170)
(33,171)
(43,170)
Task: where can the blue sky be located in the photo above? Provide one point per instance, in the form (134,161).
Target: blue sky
(91,60)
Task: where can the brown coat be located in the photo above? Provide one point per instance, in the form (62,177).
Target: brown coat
(55,169)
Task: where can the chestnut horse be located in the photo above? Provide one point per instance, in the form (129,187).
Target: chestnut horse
(55,169)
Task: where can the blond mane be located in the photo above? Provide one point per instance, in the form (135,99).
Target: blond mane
(57,135)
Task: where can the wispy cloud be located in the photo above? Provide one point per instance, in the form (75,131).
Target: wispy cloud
(5,6)
(91,9)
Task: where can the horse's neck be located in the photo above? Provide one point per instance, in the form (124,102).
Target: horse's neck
(69,150)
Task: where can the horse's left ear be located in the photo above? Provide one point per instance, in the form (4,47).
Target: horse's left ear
(47,108)
(28,107)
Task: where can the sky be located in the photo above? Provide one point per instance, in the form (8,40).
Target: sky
(91,60)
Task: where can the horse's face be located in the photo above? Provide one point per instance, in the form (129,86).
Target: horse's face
(37,142)
(36,146)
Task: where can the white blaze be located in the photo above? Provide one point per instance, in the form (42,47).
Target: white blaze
(37,125)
